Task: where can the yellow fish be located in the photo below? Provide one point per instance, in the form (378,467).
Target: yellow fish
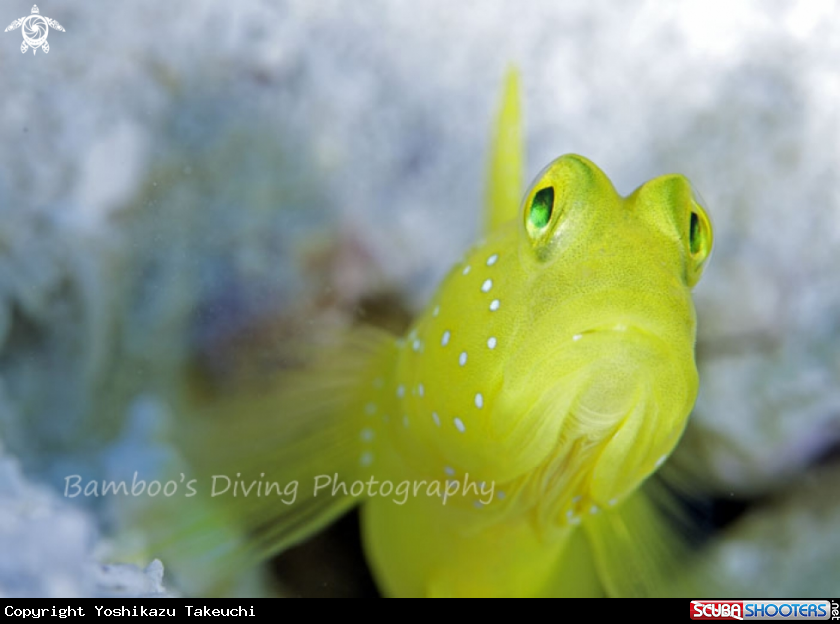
(498,448)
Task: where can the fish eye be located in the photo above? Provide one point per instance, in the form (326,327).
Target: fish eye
(699,238)
(699,233)
(694,235)
(541,209)
(563,183)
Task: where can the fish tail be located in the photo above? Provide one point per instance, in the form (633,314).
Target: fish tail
(288,445)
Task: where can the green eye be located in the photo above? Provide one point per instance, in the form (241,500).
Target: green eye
(700,242)
(695,237)
(541,207)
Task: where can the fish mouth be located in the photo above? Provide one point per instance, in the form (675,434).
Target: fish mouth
(615,328)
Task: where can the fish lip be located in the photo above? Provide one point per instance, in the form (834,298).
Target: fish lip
(616,328)
(631,330)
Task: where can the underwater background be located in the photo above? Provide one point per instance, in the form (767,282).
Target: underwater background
(183,186)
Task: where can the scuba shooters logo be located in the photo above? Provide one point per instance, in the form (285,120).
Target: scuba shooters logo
(764,610)
(36,29)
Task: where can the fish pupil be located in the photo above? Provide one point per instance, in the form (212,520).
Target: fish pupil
(694,233)
(541,207)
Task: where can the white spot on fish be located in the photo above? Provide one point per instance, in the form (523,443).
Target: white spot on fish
(405,422)
(577,337)
(444,340)
(576,499)
(449,471)
(501,495)
(594,509)
(459,425)
(661,460)
(416,345)
(491,342)
(466,270)
(420,389)
(462,360)
(366,459)
(436,311)
(436,418)
(612,502)
(492,259)
(400,391)
(494,305)
(370,409)
(367,434)
(479,400)
(487,285)
(478,505)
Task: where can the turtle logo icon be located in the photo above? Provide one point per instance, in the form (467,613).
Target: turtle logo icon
(36,28)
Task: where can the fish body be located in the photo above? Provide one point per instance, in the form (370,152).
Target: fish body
(557,365)
(550,375)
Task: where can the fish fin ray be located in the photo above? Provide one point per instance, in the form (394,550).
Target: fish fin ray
(644,546)
(307,424)
(504,184)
